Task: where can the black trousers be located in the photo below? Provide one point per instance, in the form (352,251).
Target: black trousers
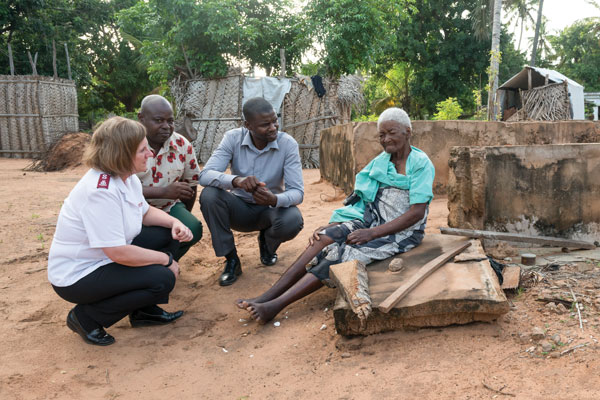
(113,291)
(224,211)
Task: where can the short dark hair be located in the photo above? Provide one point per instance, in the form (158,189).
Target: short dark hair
(254,106)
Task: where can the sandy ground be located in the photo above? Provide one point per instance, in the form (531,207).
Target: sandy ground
(214,353)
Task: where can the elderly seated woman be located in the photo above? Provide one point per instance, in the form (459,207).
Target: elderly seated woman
(385,215)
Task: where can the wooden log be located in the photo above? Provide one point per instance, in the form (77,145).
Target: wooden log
(415,280)
(516,237)
(68,61)
(353,283)
(10,60)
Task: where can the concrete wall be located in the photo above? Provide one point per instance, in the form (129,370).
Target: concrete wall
(346,149)
(551,190)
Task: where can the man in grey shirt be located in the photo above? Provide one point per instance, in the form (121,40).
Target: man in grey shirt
(260,194)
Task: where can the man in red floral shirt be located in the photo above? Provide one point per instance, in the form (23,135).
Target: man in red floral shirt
(171,177)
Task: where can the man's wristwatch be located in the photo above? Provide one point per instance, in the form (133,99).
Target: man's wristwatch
(170,258)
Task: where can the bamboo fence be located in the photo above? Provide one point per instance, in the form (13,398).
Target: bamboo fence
(34,112)
(544,103)
(214,106)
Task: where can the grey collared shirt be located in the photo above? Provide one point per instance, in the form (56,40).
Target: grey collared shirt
(277,165)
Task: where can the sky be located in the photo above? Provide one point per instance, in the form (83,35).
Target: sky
(560,14)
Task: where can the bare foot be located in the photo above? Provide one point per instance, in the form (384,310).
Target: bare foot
(262,312)
(244,303)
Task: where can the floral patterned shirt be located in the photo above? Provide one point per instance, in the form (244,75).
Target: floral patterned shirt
(175,161)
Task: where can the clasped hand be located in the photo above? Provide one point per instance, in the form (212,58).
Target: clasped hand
(179,190)
(181,232)
(261,194)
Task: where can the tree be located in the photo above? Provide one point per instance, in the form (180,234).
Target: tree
(537,33)
(435,40)
(494,60)
(103,65)
(206,38)
(577,52)
(520,11)
(352,33)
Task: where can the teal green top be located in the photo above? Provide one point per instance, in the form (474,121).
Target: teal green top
(381,171)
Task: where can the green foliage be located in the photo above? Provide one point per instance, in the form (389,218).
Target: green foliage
(438,46)
(577,52)
(205,38)
(364,118)
(104,66)
(448,109)
(352,33)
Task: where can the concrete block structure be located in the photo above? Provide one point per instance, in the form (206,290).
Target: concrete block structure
(550,190)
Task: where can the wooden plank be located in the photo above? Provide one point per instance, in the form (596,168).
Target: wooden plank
(511,277)
(416,279)
(516,237)
(457,293)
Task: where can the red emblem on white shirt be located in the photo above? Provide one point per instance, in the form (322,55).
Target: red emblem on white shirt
(103,181)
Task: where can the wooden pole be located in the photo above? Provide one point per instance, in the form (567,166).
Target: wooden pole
(32,62)
(10,60)
(515,237)
(68,61)
(54,59)
(282,59)
(529,79)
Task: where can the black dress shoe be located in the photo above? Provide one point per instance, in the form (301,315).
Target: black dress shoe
(266,257)
(98,336)
(233,269)
(160,317)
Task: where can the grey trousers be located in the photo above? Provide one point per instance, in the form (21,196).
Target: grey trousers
(224,211)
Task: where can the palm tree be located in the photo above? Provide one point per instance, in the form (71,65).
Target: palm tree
(543,46)
(537,34)
(481,16)
(494,60)
(521,13)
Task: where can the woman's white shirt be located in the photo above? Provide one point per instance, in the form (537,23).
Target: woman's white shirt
(101,211)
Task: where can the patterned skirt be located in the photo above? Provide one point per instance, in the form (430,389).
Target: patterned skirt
(389,204)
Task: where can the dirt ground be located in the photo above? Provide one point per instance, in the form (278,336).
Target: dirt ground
(213,352)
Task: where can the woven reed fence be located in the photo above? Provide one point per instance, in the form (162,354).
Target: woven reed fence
(214,106)
(544,103)
(35,111)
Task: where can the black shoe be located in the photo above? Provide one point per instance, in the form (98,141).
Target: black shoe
(162,317)
(233,269)
(98,336)
(266,257)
